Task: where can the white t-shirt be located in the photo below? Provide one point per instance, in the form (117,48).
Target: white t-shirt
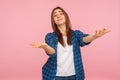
(65,61)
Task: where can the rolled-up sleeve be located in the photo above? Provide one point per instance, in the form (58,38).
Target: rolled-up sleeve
(50,41)
(80,36)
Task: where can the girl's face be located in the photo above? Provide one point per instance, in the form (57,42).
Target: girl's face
(58,17)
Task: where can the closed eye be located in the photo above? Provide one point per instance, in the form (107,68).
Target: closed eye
(61,13)
(54,15)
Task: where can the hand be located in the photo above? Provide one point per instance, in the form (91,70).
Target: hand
(100,33)
(38,45)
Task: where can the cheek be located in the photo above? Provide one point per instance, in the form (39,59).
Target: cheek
(63,17)
(54,20)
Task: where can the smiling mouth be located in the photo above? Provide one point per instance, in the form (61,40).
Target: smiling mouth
(59,19)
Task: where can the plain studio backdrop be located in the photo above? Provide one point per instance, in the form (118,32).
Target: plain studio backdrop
(25,21)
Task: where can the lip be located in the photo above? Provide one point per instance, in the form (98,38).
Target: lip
(59,19)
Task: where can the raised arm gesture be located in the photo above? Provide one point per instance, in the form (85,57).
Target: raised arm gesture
(97,34)
(43,45)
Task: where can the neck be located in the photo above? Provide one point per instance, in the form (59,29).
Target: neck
(62,29)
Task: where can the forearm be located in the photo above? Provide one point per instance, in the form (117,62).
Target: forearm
(48,49)
(97,34)
(88,39)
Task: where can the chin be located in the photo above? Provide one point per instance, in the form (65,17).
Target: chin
(60,23)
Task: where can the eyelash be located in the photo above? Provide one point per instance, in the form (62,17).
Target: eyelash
(54,15)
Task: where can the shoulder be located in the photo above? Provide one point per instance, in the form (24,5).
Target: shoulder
(50,35)
(76,31)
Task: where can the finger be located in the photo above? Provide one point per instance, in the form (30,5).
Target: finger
(103,30)
(95,33)
(32,44)
(34,47)
(100,32)
(106,31)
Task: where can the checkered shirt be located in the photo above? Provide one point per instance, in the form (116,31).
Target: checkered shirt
(50,67)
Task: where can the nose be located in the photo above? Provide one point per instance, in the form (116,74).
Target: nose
(58,16)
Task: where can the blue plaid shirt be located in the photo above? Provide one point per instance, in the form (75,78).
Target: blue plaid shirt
(50,67)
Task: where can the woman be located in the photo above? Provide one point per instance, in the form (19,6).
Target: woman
(63,48)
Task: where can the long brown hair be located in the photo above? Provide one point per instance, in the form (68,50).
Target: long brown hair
(68,27)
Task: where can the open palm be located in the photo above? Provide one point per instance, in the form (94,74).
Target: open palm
(100,33)
(38,45)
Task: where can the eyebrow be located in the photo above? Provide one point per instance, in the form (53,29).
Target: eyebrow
(56,12)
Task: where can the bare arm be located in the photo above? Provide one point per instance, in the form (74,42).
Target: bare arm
(45,46)
(97,34)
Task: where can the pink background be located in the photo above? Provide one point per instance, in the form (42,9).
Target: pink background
(25,21)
